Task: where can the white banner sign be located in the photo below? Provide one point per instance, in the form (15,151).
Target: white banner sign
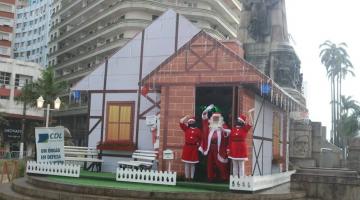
(49,144)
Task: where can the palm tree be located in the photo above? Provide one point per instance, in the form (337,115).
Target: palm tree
(338,65)
(48,87)
(349,121)
(45,86)
(26,98)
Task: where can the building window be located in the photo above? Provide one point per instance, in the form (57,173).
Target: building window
(5,78)
(4,97)
(119,124)
(21,80)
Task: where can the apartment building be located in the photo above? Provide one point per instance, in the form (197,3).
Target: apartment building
(13,75)
(84,32)
(32,30)
(7,10)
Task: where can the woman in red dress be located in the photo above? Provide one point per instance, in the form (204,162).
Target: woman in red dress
(237,149)
(192,142)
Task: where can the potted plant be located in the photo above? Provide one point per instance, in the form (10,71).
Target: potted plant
(115,145)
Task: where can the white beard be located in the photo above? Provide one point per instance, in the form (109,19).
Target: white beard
(216,125)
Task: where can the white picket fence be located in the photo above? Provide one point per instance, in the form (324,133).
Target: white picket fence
(145,176)
(57,169)
(254,183)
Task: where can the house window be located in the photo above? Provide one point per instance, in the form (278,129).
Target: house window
(119,125)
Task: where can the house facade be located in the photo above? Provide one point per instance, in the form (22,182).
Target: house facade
(172,69)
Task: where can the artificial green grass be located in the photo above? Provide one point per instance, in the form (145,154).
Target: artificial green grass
(108,180)
(123,185)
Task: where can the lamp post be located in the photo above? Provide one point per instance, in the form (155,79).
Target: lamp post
(40,104)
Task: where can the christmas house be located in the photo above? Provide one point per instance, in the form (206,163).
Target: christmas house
(172,69)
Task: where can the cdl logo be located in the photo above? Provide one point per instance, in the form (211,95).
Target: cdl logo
(43,138)
(56,136)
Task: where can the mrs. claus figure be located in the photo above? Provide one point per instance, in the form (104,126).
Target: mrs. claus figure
(215,134)
(237,149)
(192,142)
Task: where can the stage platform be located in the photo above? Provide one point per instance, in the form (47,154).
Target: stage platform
(102,186)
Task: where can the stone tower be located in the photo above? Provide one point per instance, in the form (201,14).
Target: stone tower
(263,32)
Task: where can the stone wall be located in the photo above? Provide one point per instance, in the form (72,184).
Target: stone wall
(327,184)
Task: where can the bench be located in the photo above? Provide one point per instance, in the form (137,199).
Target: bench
(85,155)
(141,159)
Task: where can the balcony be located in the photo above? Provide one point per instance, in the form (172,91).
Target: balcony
(77,14)
(64,7)
(157,6)
(115,26)
(96,51)
(93,19)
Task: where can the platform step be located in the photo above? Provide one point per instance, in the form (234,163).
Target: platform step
(21,186)
(6,193)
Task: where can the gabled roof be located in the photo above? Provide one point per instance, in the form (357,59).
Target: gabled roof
(142,54)
(204,60)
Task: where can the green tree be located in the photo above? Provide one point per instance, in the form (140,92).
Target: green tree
(349,120)
(48,87)
(45,86)
(337,64)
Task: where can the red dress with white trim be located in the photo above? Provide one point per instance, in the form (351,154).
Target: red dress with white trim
(237,142)
(192,143)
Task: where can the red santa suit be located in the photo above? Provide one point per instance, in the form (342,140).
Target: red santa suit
(214,143)
(192,143)
(237,142)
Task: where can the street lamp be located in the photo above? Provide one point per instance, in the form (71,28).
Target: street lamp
(40,104)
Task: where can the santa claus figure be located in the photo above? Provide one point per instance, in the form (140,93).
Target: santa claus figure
(215,134)
(237,149)
(192,142)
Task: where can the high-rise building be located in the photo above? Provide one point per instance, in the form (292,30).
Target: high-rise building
(84,32)
(7,9)
(32,30)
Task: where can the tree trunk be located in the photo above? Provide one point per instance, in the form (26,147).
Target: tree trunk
(332,111)
(333,99)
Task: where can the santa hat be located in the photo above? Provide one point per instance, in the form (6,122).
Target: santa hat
(191,120)
(241,118)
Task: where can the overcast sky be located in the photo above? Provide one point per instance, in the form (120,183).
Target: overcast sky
(310,23)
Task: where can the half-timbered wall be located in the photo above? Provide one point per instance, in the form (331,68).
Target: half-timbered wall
(120,79)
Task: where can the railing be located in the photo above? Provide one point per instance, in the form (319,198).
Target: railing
(64,21)
(66,6)
(98,49)
(254,183)
(57,169)
(145,176)
(94,35)
(88,21)
(156,4)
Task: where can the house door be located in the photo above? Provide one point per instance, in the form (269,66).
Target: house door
(223,98)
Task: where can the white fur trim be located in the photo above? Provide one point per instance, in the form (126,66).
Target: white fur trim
(201,149)
(204,115)
(218,132)
(245,159)
(186,161)
(240,119)
(221,159)
(191,120)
